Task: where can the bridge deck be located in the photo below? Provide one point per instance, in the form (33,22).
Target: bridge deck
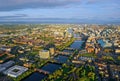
(42,71)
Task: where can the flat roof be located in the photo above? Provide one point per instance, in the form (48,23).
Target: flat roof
(6,65)
(15,71)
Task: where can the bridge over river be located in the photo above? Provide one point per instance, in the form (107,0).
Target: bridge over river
(42,71)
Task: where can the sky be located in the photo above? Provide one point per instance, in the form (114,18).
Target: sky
(60,11)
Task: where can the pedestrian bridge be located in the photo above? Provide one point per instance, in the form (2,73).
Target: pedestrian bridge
(68,48)
(64,53)
(42,71)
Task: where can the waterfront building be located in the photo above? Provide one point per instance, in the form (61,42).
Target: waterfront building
(15,71)
(44,54)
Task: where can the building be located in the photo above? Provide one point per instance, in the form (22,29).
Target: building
(115,69)
(6,65)
(44,54)
(27,64)
(117,50)
(107,44)
(7,49)
(52,51)
(15,71)
(90,49)
(102,70)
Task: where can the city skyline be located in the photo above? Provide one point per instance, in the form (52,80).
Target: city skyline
(60,11)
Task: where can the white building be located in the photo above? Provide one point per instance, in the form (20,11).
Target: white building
(15,71)
(6,65)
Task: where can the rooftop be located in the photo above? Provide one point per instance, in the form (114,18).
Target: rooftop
(15,71)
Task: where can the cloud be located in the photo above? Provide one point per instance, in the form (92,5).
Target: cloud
(16,16)
(8,5)
(102,1)
(91,1)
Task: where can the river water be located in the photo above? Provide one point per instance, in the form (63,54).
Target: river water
(77,44)
(101,42)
